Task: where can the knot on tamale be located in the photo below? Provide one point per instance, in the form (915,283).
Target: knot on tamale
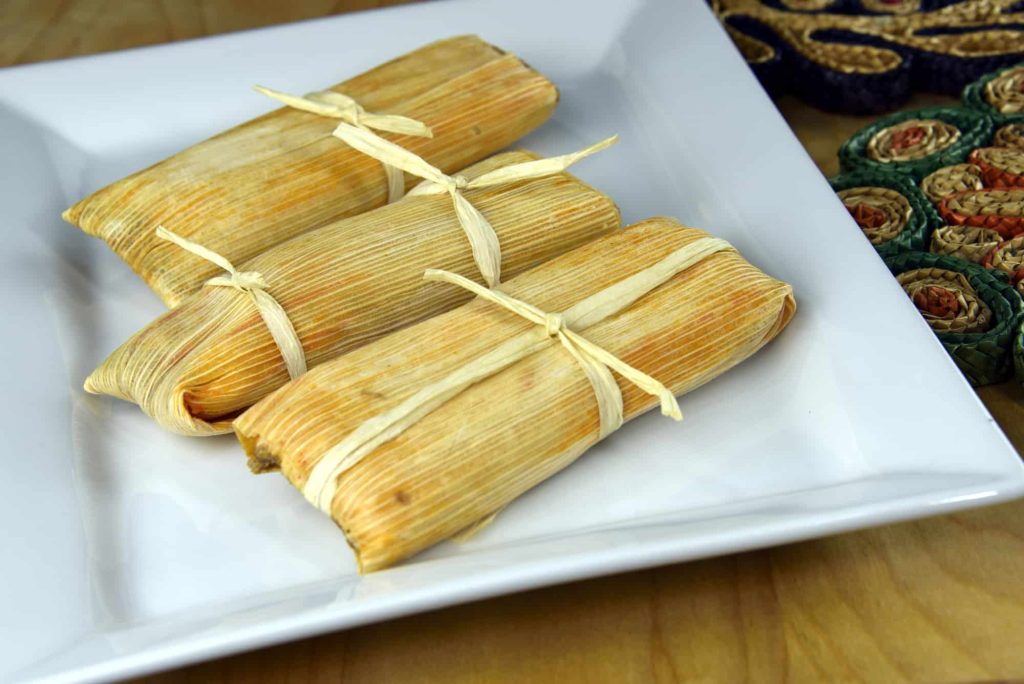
(338,106)
(244,281)
(253,284)
(341,106)
(553,324)
(482,238)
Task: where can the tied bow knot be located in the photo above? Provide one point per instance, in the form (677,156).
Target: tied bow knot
(595,362)
(338,106)
(341,106)
(244,281)
(253,284)
(482,239)
(553,324)
(455,183)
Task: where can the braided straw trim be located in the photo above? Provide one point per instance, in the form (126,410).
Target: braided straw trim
(1005,92)
(753,50)
(1010,135)
(966,242)
(807,5)
(990,30)
(1007,256)
(1001,167)
(946,300)
(951,179)
(893,210)
(883,7)
(911,139)
(1000,210)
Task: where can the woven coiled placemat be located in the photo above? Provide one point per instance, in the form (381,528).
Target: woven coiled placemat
(917,142)
(951,179)
(891,211)
(964,242)
(1010,135)
(1000,210)
(955,295)
(1001,167)
(1000,94)
(866,56)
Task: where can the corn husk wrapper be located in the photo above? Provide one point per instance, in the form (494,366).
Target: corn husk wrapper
(281,174)
(343,285)
(484,447)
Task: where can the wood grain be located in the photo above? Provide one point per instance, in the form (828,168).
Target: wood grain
(939,599)
(37,30)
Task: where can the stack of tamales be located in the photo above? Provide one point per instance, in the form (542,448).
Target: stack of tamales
(195,368)
(425,410)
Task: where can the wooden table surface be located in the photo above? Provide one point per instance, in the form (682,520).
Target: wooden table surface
(939,599)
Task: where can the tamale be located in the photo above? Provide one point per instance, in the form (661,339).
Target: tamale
(197,366)
(281,174)
(484,446)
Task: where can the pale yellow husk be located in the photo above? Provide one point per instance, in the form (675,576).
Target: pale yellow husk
(343,285)
(494,440)
(282,174)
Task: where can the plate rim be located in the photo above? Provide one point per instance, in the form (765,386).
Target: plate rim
(491,583)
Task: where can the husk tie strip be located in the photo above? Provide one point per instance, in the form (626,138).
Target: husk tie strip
(253,284)
(339,106)
(482,238)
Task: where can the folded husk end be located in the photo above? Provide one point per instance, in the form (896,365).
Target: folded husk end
(109,380)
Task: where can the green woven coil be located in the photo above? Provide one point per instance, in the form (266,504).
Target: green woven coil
(974,98)
(923,218)
(1018,353)
(975,131)
(985,357)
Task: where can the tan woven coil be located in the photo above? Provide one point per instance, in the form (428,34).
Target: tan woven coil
(949,179)
(1008,256)
(1005,92)
(1010,135)
(911,139)
(892,208)
(965,242)
(946,300)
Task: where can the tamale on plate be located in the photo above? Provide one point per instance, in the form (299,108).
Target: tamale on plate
(342,285)
(464,458)
(281,174)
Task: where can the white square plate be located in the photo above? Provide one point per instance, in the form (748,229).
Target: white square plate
(127,549)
